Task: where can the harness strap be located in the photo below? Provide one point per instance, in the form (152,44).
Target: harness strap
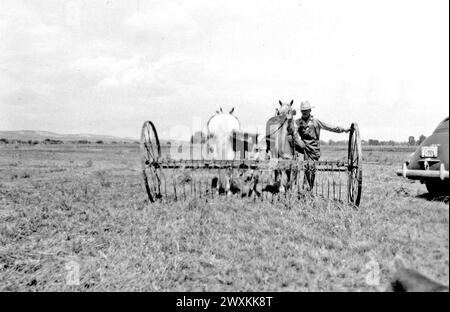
(276,130)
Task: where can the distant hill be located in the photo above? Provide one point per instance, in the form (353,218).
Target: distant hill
(26,135)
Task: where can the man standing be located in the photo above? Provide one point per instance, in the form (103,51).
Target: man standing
(305,136)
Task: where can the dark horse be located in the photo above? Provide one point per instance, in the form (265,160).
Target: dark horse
(278,145)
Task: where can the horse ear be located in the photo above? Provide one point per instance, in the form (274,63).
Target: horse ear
(232,110)
(217,112)
(221,110)
(280,102)
(292,102)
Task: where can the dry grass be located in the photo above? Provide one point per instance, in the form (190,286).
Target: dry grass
(89,205)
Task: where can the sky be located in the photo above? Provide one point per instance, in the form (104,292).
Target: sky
(104,67)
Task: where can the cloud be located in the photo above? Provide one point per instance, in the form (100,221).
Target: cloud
(170,72)
(168,19)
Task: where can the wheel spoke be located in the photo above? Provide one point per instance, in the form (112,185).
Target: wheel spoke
(149,144)
(149,153)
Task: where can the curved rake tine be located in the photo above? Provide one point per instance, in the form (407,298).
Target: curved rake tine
(332,177)
(165,189)
(211,188)
(201,147)
(174,189)
(261,180)
(219,181)
(340,183)
(204,188)
(328,190)
(334,189)
(333,182)
(195,189)
(321,180)
(316,186)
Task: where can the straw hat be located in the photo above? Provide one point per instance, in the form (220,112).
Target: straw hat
(305,106)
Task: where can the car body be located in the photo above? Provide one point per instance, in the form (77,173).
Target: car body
(429,163)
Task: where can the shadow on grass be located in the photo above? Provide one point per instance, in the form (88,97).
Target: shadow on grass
(434,197)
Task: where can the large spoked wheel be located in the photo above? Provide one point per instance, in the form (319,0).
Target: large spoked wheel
(150,155)
(354,166)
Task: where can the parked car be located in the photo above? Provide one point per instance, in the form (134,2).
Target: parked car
(429,163)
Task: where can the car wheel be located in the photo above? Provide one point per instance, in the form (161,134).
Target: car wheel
(437,187)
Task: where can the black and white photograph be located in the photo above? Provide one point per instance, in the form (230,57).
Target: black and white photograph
(232,148)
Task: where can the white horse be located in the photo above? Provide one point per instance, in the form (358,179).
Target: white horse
(226,141)
(220,129)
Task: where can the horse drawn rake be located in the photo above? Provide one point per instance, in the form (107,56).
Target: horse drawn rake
(167,179)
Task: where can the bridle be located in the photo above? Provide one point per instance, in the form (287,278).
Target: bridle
(277,129)
(281,125)
(286,119)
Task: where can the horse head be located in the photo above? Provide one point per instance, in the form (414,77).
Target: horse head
(285,109)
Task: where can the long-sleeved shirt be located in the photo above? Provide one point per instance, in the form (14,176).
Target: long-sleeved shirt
(310,129)
(309,132)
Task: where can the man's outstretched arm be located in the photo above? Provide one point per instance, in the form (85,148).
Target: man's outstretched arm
(328,127)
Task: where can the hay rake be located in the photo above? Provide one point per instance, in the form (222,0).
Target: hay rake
(167,179)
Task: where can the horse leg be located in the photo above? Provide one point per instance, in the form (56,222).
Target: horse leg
(254,186)
(288,179)
(281,182)
(222,183)
(214,184)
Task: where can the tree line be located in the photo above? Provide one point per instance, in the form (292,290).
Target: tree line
(411,142)
(52,141)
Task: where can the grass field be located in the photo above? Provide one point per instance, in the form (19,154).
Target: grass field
(87,204)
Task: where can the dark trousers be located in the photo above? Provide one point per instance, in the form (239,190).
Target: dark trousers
(309,153)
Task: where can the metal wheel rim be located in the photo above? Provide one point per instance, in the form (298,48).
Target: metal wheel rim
(354,146)
(355,172)
(150,154)
(150,147)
